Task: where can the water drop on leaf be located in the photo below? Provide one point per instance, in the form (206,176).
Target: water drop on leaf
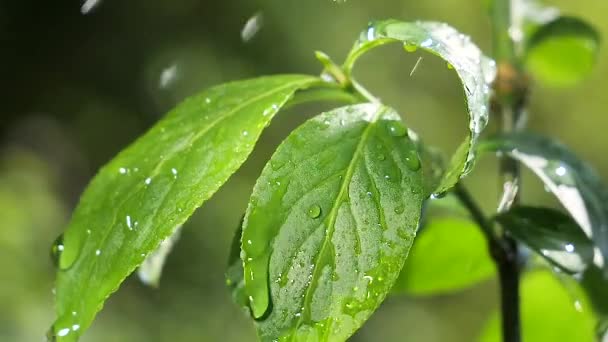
(314,211)
(396,129)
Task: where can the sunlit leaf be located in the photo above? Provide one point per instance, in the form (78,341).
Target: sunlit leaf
(573,182)
(475,71)
(552,234)
(549,312)
(562,52)
(329,224)
(448,255)
(140,197)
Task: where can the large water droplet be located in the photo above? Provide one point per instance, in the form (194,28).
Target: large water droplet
(314,211)
(410,47)
(412,161)
(57,250)
(396,129)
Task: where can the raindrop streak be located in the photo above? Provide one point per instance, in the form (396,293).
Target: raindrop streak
(167,76)
(314,211)
(89,5)
(415,66)
(252,26)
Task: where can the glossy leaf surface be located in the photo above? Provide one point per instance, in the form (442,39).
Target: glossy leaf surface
(549,312)
(552,234)
(573,182)
(475,71)
(448,255)
(141,196)
(330,223)
(562,51)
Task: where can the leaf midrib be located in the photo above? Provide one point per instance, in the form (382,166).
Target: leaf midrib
(333,212)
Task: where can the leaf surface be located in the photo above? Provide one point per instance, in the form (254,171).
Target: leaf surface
(475,71)
(330,223)
(562,51)
(450,254)
(140,197)
(575,184)
(552,234)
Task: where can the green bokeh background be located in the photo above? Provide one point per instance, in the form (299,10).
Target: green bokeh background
(77,88)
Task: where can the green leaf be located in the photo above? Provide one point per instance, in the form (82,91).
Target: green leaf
(448,255)
(147,191)
(562,52)
(151,269)
(551,234)
(549,312)
(330,223)
(475,71)
(573,182)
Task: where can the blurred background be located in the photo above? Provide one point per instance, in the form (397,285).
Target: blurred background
(82,79)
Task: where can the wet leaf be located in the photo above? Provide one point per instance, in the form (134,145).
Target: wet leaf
(549,312)
(573,182)
(448,255)
(562,51)
(551,234)
(140,197)
(475,71)
(329,224)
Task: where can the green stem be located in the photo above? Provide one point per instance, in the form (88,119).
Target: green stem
(507,107)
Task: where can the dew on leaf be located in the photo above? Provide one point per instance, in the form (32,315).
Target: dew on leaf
(396,129)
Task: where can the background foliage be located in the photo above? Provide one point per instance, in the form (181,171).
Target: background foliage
(79,87)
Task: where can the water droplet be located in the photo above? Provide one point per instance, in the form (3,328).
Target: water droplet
(128,220)
(245,133)
(122,170)
(148,181)
(399,210)
(381,157)
(410,47)
(174,172)
(98,252)
(88,6)
(57,249)
(412,161)
(396,129)
(207,100)
(252,26)
(427,43)
(314,211)
(569,248)
(369,194)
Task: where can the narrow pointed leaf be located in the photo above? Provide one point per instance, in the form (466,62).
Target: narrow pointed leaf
(551,234)
(330,223)
(562,51)
(475,71)
(141,196)
(549,312)
(575,184)
(448,255)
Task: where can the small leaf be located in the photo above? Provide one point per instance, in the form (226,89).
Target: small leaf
(549,312)
(448,255)
(551,234)
(329,224)
(475,71)
(150,270)
(562,52)
(573,182)
(151,188)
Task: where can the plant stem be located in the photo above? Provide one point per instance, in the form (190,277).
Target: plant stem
(507,105)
